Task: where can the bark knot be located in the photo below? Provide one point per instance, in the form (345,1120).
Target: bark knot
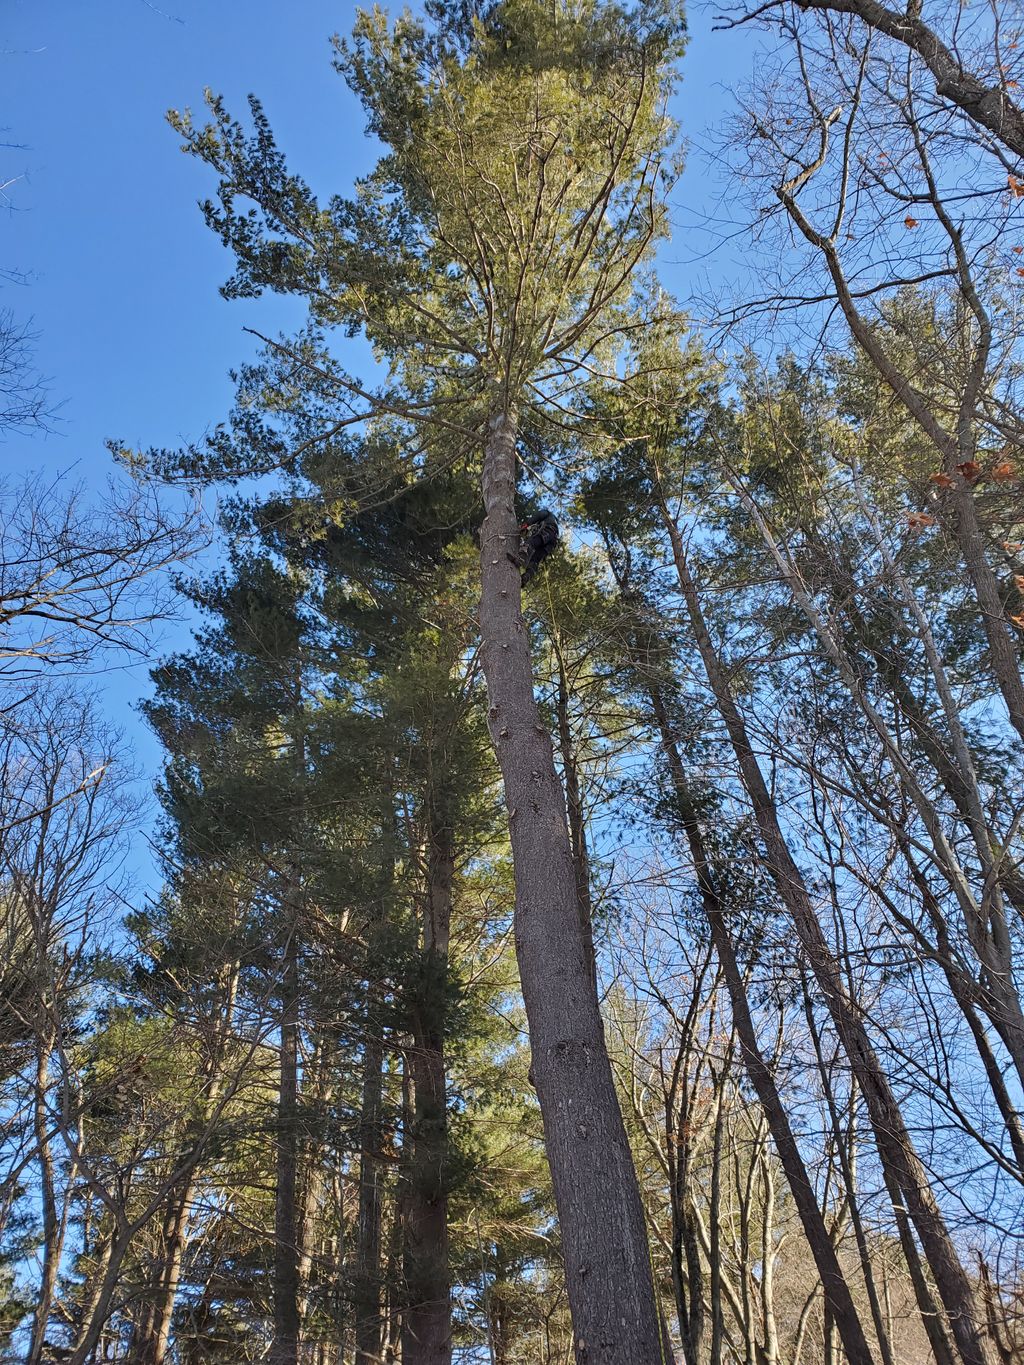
(571,1052)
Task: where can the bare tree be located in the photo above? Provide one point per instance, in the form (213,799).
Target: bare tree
(973,66)
(24,402)
(77,578)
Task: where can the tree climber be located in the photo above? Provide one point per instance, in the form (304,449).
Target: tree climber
(541,538)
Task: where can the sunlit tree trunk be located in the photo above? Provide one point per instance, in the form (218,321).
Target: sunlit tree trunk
(892,1139)
(604,1240)
(836,1288)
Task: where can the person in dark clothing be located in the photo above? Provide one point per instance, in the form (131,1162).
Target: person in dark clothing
(541,538)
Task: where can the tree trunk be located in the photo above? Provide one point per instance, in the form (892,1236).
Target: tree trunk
(577,818)
(367,1296)
(715,1215)
(396,1298)
(53,1226)
(988,105)
(687,1269)
(366,1288)
(892,1139)
(931,1315)
(154,1332)
(836,1289)
(98,1304)
(426,1326)
(768,1255)
(285,1347)
(849,1177)
(608,1272)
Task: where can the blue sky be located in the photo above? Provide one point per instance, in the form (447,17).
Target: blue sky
(122,273)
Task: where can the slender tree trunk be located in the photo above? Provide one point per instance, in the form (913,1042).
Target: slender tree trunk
(153,1336)
(52,1224)
(577,817)
(688,1278)
(172,1277)
(98,1306)
(427,1327)
(310,1222)
(500,1336)
(931,1314)
(608,1270)
(768,1255)
(954,783)
(892,1139)
(836,1288)
(846,1167)
(1002,646)
(366,1291)
(985,921)
(954,449)
(715,1213)
(396,1305)
(285,1347)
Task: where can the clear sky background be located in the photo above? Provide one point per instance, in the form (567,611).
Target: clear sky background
(122,274)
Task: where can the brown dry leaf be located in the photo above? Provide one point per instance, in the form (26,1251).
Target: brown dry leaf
(1005,472)
(969,470)
(943,480)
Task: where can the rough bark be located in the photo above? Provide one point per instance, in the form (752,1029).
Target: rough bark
(892,1139)
(426,1325)
(608,1271)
